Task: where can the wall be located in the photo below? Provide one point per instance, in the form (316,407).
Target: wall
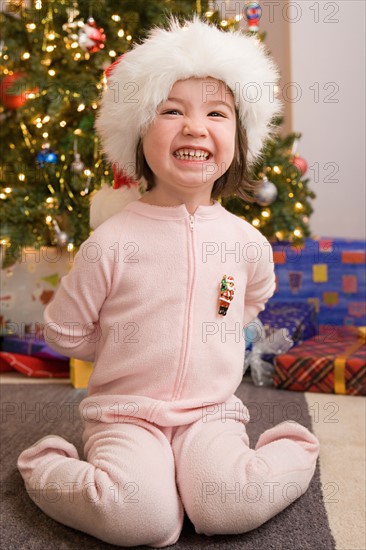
(327,67)
(320,49)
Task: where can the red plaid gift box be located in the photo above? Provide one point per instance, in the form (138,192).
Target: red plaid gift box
(34,366)
(334,361)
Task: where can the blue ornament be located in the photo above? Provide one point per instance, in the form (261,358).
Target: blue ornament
(253,10)
(47,156)
(253,13)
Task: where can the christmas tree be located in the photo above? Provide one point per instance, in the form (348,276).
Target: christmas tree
(281,207)
(53,56)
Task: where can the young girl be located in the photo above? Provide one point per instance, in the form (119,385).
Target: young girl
(157,299)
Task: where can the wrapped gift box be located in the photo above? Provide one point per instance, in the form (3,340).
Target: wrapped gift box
(330,273)
(334,361)
(80,372)
(280,326)
(28,345)
(32,357)
(34,366)
(298,318)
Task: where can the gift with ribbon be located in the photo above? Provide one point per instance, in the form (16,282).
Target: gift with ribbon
(265,345)
(36,367)
(299,318)
(334,361)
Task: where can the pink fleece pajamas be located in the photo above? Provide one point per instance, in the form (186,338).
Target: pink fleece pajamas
(164,432)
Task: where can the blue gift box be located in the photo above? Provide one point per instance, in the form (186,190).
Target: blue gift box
(28,345)
(329,273)
(299,318)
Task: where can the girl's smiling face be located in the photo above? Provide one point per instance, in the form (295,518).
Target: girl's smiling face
(191,142)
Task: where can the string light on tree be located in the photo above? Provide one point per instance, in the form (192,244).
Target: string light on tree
(50,202)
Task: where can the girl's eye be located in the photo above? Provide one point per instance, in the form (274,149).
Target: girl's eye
(216,114)
(171,112)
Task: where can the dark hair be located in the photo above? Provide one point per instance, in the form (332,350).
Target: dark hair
(235,181)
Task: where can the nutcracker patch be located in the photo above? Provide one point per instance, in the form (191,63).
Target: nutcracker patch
(227,290)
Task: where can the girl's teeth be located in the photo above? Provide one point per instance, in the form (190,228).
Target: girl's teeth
(189,154)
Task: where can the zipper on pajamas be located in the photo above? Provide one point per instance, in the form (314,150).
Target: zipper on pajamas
(192,273)
(191,222)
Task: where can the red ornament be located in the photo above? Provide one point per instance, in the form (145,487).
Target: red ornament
(300,164)
(90,37)
(11,98)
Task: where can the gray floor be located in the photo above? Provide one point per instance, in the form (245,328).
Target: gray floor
(303,525)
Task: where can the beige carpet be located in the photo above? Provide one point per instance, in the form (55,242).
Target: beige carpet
(339,421)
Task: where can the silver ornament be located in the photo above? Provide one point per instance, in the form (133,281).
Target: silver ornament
(62,238)
(267,193)
(77,165)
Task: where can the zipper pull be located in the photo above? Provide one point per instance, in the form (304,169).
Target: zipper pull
(191,221)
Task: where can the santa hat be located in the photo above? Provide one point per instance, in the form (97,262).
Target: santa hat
(143,80)
(111,200)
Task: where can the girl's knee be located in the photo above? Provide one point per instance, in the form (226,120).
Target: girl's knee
(230,509)
(143,522)
(220,523)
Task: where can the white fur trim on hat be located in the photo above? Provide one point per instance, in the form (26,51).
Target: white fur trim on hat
(108,201)
(145,76)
